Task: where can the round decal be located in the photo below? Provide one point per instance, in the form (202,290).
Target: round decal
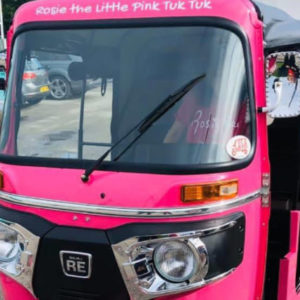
(238,147)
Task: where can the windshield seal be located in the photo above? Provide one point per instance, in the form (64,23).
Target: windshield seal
(148,168)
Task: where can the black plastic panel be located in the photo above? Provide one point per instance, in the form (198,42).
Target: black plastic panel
(49,280)
(33,223)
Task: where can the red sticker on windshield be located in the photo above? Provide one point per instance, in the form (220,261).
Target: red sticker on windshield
(238,147)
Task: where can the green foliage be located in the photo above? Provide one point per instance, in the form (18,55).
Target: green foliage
(9,8)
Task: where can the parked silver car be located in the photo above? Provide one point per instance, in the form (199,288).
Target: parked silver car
(35,85)
(57,64)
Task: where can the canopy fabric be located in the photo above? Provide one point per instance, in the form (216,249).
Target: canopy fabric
(281,29)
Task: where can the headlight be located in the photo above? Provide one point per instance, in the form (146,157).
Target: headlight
(11,245)
(175,261)
(161,265)
(18,249)
(158,265)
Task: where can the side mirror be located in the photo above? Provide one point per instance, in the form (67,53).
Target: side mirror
(283,94)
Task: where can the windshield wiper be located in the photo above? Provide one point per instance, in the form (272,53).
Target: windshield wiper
(145,124)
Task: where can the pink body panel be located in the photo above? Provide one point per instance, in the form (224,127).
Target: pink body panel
(151,190)
(288,265)
(11,290)
(64,10)
(132,190)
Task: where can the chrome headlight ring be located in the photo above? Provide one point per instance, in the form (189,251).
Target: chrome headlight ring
(193,248)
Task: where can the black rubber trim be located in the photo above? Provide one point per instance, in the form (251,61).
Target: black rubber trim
(146,168)
(283,48)
(33,223)
(258,11)
(119,234)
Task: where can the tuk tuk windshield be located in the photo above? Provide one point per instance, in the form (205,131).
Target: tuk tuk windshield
(103,82)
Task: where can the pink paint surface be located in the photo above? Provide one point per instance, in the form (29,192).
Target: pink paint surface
(288,265)
(11,290)
(135,190)
(61,10)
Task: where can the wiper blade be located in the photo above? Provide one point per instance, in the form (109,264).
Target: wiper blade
(169,102)
(145,124)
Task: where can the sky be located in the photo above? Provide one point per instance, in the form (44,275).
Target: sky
(292,7)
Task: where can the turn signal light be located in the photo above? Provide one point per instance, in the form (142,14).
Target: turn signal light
(210,192)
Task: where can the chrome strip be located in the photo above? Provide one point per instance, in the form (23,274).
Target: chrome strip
(191,287)
(142,213)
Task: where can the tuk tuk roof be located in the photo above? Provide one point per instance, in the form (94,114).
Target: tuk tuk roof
(73,10)
(281,30)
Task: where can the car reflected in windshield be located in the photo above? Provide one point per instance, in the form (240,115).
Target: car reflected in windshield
(35,85)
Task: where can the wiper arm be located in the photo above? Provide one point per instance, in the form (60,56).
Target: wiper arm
(145,124)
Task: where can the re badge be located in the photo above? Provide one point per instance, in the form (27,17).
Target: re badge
(76,264)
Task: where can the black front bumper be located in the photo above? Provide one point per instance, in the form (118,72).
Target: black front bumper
(225,249)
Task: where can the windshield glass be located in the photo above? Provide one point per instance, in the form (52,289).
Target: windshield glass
(103,82)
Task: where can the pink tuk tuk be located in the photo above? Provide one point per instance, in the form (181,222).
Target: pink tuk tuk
(146,173)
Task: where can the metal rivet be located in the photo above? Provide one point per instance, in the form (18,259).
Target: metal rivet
(87,219)
(75,218)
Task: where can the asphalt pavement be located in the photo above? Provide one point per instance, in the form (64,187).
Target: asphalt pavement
(50,128)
